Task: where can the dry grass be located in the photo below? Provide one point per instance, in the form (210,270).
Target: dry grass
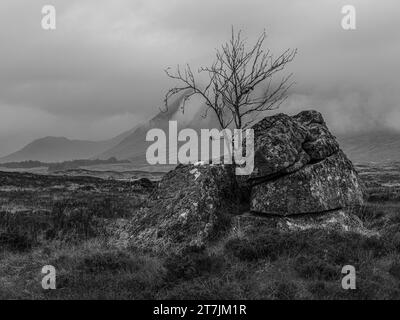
(265,265)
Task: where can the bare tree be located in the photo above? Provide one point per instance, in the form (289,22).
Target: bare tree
(239,82)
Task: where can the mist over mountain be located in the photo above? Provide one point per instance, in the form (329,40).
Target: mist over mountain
(379,145)
(103,67)
(130,145)
(133,147)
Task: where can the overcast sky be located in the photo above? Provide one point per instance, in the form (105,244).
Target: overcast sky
(101,71)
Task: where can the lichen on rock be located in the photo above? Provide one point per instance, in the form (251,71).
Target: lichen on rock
(188,207)
(327,185)
(300,168)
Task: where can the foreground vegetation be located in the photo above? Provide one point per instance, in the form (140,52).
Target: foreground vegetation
(68,229)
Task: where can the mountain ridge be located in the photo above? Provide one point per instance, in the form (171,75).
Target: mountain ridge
(58,149)
(378,145)
(133,147)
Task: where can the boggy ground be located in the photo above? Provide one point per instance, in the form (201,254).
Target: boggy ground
(65,222)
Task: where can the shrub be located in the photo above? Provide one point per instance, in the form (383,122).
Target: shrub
(395,241)
(71,220)
(209,288)
(312,267)
(15,241)
(109,261)
(271,244)
(336,247)
(325,290)
(394,270)
(242,249)
(108,274)
(285,290)
(192,264)
(23,227)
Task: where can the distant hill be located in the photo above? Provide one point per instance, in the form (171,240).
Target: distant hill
(55,149)
(130,145)
(59,149)
(373,146)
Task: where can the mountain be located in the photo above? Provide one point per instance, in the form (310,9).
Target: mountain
(57,149)
(373,146)
(369,146)
(133,147)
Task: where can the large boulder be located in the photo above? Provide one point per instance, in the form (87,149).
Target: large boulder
(319,187)
(188,207)
(285,144)
(299,168)
(278,146)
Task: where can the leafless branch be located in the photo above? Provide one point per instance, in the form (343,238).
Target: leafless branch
(239,82)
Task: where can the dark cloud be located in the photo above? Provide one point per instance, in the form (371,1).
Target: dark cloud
(101,71)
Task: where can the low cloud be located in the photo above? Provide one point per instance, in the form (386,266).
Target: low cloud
(103,67)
